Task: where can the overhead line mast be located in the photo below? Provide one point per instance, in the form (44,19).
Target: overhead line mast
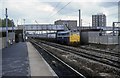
(79,21)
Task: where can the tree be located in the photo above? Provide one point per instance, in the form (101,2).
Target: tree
(3,23)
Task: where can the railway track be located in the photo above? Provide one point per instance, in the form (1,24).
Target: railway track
(116,54)
(105,59)
(62,69)
(113,54)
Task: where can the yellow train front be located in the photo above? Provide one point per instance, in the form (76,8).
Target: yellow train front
(68,37)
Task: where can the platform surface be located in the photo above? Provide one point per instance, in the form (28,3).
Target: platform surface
(22,59)
(38,65)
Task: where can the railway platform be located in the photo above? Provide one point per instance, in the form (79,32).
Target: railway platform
(22,59)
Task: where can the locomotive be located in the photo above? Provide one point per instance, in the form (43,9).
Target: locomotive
(69,37)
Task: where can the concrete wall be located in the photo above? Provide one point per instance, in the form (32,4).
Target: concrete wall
(93,37)
(105,39)
(2,42)
(119,40)
(108,39)
(84,38)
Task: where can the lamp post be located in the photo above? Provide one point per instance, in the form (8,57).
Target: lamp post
(24,30)
(6,27)
(12,26)
(12,31)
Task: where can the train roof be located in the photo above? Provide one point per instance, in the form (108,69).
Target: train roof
(63,31)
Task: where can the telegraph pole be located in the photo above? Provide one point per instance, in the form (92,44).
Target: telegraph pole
(6,27)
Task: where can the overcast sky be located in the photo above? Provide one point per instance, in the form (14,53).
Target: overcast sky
(46,11)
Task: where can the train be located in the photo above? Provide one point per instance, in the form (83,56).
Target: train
(66,37)
(69,37)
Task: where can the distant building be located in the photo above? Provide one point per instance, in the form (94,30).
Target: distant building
(99,20)
(70,24)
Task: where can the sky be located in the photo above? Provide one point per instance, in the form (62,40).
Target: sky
(46,11)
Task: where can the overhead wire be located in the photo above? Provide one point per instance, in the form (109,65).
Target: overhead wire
(61,9)
(57,5)
(58,10)
(54,8)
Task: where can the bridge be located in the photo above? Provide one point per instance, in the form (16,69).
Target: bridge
(51,27)
(34,27)
(42,27)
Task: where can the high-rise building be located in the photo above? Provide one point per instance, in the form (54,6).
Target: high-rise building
(99,20)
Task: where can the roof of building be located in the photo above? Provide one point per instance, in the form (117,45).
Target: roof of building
(66,20)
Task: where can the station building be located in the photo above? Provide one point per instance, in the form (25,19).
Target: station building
(70,24)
